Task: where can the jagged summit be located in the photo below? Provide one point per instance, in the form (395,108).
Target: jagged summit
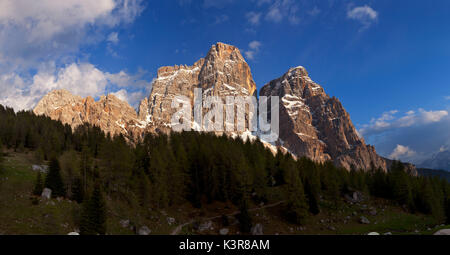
(111,114)
(223,71)
(316,126)
(312,124)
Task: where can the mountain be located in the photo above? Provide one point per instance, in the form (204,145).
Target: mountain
(317,126)
(312,123)
(111,114)
(221,73)
(440,160)
(434,173)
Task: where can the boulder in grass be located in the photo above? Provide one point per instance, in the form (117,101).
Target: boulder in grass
(443,232)
(257,229)
(224,231)
(46,193)
(364,220)
(144,231)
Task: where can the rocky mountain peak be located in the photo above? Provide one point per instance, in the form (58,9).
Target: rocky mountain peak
(109,113)
(222,72)
(315,125)
(311,123)
(225,72)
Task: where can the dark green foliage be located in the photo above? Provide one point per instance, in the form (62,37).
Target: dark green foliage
(53,179)
(447,210)
(167,170)
(93,216)
(245,220)
(313,197)
(1,155)
(77,190)
(297,209)
(39,185)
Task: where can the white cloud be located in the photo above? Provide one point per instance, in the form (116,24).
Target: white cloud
(364,14)
(281,9)
(402,152)
(447,97)
(34,30)
(253,17)
(314,11)
(82,79)
(221,19)
(421,130)
(262,2)
(113,37)
(388,121)
(133,98)
(216,3)
(274,14)
(254,47)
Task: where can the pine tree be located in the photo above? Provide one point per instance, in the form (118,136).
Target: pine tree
(245,220)
(93,218)
(313,197)
(297,209)
(39,185)
(77,190)
(53,180)
(1,155)
(401,186)
(447,210)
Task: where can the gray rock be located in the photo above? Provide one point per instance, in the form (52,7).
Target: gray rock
(46,193)
(257,229)
(144,231)
(73,234)
(224,231)
(170,220)
(387,234)
(125,223)
(442,232)
(205,226)
(373,234)
(364,220)
(40,168)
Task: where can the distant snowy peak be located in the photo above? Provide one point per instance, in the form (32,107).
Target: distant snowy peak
(439,161)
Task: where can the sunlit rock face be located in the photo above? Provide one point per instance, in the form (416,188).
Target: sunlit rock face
(311,123)
(316,126)
(111,114)
(223,72)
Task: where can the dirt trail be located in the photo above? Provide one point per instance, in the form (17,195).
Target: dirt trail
(180,227)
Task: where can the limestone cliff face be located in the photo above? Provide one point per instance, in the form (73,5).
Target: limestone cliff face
(221,73)
(311,123)
(316,126)
(111,114)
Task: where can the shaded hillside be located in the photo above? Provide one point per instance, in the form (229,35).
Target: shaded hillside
(432,173)
(198,173)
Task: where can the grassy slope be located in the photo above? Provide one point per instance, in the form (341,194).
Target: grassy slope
(18,215)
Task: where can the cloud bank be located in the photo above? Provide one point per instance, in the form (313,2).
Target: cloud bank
(412,136)
(40,44)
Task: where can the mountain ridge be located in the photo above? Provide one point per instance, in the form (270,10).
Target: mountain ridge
(314,124)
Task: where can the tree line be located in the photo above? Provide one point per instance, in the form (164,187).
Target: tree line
(163,171)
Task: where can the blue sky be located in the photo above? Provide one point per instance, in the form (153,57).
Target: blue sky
(387,61)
